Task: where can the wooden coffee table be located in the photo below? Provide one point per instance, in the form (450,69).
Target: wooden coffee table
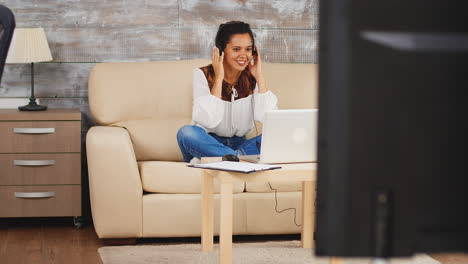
(305,172)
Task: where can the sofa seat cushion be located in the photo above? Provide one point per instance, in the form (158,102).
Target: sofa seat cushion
(175,177)
(155,139)
(263,187)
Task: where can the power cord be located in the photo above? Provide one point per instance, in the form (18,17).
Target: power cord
(276,205)
(258,147)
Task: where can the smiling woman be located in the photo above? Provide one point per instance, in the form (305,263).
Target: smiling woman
(228,95)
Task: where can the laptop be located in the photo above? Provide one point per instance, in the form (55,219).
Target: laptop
(289,136)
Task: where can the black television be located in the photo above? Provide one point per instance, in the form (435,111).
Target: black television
(392,178)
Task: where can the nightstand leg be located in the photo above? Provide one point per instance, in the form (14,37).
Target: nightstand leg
(307,234)
(225,234)
(207,213)
(78,221)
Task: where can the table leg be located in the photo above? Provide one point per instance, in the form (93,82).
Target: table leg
(207,213)
(225,232)
(307,234)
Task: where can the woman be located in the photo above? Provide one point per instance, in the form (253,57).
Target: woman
(227,96)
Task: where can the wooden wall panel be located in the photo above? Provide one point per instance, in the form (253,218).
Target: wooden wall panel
(72,45)
(301,14)
(82,103)
(111,44)
(50,80)
(92,13)
(296,46)
(196,42)
(275,45)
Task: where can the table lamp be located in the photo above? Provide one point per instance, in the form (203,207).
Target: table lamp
(29,45)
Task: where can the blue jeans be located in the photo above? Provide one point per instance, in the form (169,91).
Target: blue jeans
(195,142)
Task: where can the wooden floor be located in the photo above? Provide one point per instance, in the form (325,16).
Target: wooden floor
(56,240)
(51,240)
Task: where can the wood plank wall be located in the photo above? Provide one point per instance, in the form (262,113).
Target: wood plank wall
(82,33)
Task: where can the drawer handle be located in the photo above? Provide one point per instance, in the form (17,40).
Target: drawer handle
(33,162)
(29,195)
(47,130)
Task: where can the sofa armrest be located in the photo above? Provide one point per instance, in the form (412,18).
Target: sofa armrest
(114,183)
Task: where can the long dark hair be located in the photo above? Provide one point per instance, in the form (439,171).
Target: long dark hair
(226,30)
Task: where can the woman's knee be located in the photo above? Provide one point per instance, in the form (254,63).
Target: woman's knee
(259,139)
(189,132)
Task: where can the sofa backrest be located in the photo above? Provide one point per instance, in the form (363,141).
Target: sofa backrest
(156,97)
(141,90)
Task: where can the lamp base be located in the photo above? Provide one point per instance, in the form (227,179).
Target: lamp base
(32,106)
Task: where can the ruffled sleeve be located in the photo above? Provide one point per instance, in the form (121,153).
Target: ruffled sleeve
(208,110)
(263,102)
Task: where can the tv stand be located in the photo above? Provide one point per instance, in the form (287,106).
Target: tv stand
(382,223)
(382,228)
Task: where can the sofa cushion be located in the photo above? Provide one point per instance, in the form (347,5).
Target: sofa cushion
(169,215)
(155,139)
(295,85)
(263,187)
(175,177)
(120,91)
(263,219)
(143,90)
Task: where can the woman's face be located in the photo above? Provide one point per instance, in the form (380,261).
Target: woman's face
(238,51)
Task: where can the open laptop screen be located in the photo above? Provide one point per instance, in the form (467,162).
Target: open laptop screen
(289,136)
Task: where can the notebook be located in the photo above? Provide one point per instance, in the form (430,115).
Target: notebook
(243,167)
(288,136)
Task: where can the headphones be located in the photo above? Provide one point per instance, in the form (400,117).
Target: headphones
(255,124)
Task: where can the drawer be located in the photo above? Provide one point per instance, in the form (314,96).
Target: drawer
(40,136)
(45,200)
(32,169)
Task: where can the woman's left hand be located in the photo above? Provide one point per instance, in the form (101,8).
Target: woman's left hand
(256,68)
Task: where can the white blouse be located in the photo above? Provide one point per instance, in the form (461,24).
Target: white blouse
(227,119)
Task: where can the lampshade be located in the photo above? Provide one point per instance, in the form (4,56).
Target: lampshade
(29,45)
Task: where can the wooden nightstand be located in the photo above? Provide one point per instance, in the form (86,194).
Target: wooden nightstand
(40,163)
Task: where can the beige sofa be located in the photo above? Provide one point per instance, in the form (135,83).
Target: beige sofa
(139,184)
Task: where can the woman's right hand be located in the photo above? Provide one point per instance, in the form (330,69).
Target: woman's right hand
(217,61)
